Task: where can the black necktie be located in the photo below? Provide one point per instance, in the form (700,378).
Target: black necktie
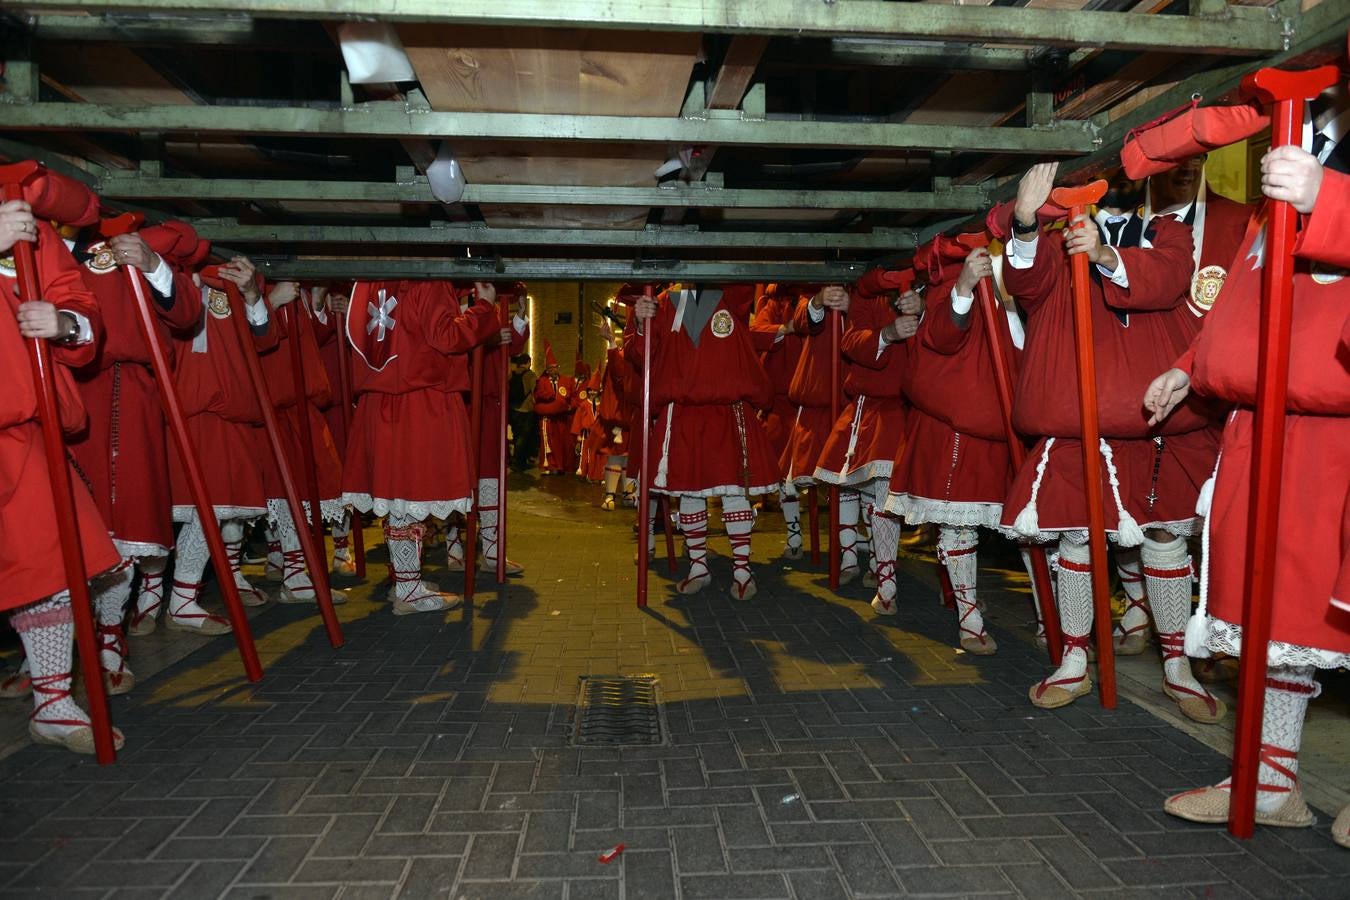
(1113,227)
(1319,143)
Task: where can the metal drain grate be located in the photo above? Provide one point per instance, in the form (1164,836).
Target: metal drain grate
(619,710)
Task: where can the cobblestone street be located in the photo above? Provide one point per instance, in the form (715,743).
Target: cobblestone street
(814,752)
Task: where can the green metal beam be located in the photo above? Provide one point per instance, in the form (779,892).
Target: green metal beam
(938,55)
(698,195)
(559,270)
(805,18)
(481,235)
(225,30)
(395,120)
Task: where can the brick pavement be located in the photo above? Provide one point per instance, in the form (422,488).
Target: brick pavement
(814,754)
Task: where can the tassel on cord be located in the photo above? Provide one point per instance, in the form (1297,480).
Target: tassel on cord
(1128,532)
(1028,522)
(1197,627)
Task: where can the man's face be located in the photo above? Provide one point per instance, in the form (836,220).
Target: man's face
(1122,192)
(1182,184)
(552,371)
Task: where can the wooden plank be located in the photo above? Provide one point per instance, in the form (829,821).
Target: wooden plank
(538,70)
(737,71)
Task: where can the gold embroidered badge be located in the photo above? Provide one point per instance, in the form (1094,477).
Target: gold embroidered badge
(218,303)
(1206,286)
(101,258)
(722,323)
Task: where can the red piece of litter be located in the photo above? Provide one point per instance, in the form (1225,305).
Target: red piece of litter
(611,854)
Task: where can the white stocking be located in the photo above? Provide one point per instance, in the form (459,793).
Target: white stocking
(792,516)
(403,537)
(294,577)
(614,467)
(1167,576)
(738,518)
(1075,613)
(487,518)
(110,601)
(48,632)
(1135,619)
(1035,594)
(232,533)
(1288,691)
(694,527)
(342,537)
(191,557)
(848,532)
(957,549)
(151,595)
(885,543)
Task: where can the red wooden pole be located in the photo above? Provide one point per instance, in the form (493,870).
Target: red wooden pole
(313,558)
(293,324)
(358,536)
(475,441)
(644,473)
(192,468)
(67,526)
(995,326)
(1076,200)
(502,425)
(1287,91)
(836,324)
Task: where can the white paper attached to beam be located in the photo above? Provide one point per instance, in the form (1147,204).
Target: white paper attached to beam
(373,53)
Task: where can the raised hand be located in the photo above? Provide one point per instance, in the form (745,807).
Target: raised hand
(1291,174)
(1034,190)
(132,250)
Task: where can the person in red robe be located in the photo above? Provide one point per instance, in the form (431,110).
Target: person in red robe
(780,349)
(554,398)
(858,454)
(586,429)
(706,383)
(407,457)
(122,453)
(615,412)
(1306,632)
(500,346)
(32,569)
(1150,475)
(297,586)
(224,423)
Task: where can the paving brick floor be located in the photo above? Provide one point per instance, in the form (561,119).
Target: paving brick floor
(814,753)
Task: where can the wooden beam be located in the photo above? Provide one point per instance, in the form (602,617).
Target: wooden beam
(737,71)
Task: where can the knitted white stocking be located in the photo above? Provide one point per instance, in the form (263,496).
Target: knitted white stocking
(1070,680)
(191,557)
(792,517)
(1130,634)
(885,543)
(738,518)
(1167,576)
(694,526)
(110,600)
(957,548)
(848,536)
(48,631)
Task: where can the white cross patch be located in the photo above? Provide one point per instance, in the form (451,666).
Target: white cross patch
(381,318)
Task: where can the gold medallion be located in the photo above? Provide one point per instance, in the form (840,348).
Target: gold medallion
(562,390)
(1206,286)
(7,265)
(101,258)
(218,303)
(1324,274)
(722,323)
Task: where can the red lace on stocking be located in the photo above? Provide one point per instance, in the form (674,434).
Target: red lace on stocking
(53,688)
(1173,646)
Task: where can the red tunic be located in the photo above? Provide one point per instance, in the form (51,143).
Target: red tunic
(1137,332)
(408,453)
(123,452)
(779,356)
(496,359)
(223,417)
(866,438)
(554,399)
(809,390)
(325,327)
(954,467)
(1309,552)
(31,564)
(706,385)
(586,428)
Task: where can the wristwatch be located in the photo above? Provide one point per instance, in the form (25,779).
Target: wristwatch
(70,327)
(1020,228)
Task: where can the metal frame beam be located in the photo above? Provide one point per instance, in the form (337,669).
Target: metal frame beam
(386,119)
(558,270)
(654,238)
(700,195)
(1226,34)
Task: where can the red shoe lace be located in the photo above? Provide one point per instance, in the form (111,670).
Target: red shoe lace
(45,686)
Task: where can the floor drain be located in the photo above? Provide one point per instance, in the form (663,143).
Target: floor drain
(618,710)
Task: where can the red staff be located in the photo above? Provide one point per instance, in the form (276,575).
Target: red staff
(314,559)
(345,398)
(502,417)
(187,453)
(293,325)
(995,328)
(644,473)
(13,178)
(475,441)
(836,401)
(1076,200)
(1286,91)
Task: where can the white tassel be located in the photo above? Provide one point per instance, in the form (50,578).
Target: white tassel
(1128,532)
(1028,522)
(1206,499)
(1197,627)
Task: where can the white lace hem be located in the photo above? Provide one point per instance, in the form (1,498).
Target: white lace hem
(921,510)
(333,510)
(721,490)
(1182,528)
(877,468)
(1225,637)
(223,513)
(415,510)
(136,550)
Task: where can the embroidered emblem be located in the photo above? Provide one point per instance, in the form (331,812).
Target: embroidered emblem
(7,264)
(1206,286)
(101,258)
(722,323)
(381,316)
(562,390)
(1324,274)
(218,303)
